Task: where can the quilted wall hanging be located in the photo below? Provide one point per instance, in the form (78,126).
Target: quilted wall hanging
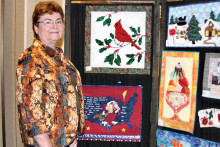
(118,39)
(194,25)
(113,113)
(178,87)
(209,118)
(217,118)
(172,139)
(211,76)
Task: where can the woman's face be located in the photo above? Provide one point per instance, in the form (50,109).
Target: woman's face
(49,34)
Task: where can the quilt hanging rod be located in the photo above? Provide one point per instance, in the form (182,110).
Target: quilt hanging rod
(113,2)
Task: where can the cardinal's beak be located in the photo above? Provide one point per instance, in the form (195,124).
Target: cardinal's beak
(114,25)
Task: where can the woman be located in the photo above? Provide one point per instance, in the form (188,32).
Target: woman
(49,89)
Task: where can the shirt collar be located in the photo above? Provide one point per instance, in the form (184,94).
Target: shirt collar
(46,49)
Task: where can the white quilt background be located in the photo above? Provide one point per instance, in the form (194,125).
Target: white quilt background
(98,31)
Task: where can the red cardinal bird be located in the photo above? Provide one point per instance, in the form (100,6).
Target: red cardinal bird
(122,36)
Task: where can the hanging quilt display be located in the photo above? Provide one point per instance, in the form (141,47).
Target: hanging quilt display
(209,118)
(118,39)
(113,113)
(211,76)
(178,87)
(172,139)
(194,25)
(217,118)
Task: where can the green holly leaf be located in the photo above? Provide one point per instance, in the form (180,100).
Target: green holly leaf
(130,61)
(100,18)
(112,35)
(139,58)
(210,115)
(109,58)
(133,30)
(134,35)
(130,55)
(140,41)
(118,60)
(99,42)
(107,22)
(102,49)
(107,41)
(134,42)
(139,30)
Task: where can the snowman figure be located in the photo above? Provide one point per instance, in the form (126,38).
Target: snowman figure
(181,33)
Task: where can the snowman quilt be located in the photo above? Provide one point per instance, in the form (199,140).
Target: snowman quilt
(194,25)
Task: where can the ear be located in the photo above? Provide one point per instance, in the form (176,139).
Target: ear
(36,29)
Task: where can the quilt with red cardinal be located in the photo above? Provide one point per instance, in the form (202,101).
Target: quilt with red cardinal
(118,39)
(113,113)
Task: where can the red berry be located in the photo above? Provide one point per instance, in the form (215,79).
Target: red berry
(116,50)
(108,46)
(137,54)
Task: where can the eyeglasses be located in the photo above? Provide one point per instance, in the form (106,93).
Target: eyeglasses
(50,22)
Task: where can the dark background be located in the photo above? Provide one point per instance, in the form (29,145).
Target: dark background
(210,133)
(149,119)
(77,57)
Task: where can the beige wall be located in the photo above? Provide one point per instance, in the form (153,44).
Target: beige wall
(1,142)
(15,13)
(9,39)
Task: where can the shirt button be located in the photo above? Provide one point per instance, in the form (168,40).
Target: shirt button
(48,116)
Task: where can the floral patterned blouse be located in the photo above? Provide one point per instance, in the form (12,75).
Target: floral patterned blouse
(49,94)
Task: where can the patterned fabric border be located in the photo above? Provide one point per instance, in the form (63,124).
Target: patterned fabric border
(178,88)
(211,76)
